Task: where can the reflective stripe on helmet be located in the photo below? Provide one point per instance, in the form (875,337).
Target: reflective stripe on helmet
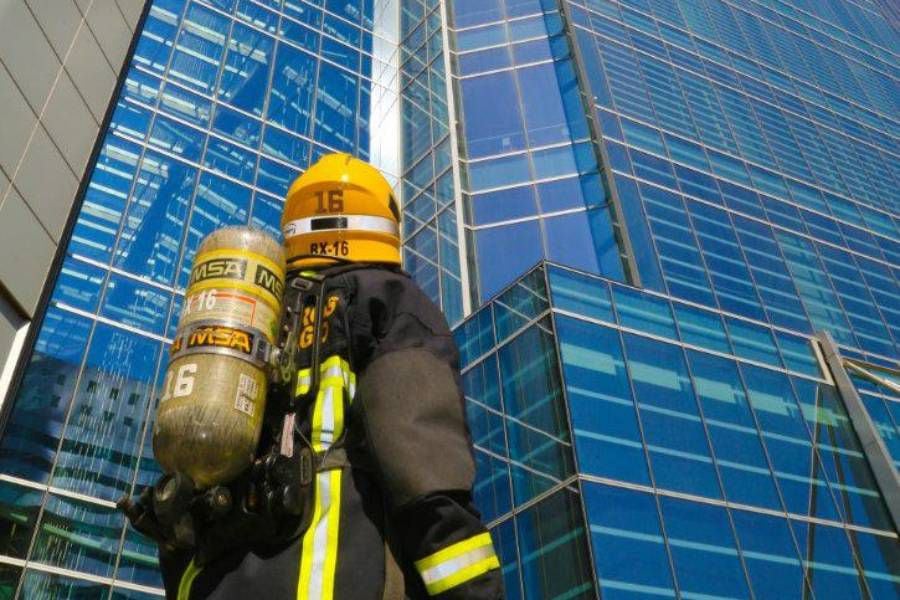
(353,222)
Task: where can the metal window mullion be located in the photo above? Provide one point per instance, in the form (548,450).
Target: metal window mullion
(455,160)
(873,446)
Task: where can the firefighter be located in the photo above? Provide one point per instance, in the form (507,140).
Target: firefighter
(367,385)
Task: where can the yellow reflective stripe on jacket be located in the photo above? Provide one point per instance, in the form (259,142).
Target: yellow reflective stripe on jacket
(318,558)
(328,412)
(457,564)
(187,580)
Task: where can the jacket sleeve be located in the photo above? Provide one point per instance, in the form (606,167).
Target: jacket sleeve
(410,402)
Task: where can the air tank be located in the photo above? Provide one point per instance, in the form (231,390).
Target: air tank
(211,410)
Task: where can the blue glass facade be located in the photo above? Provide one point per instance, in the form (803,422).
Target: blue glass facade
(631,444)
(222,105)
(725,173)
(712,181)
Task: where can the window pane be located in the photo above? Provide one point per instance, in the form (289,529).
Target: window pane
(629,550)
(797,465)
(118,365)
(492,487)
(504,253)
(679,450)
(37,584)
(19,507)
(843,459)
(644,312)
(493,124)
(335,107)
(739,452)
(701,328)
(32,434)
(78,535)
(829,560)
(246,73)
(701,543)
(290,100)
(770,555)
(607,439)
(580,294)
(553,546)
(150,241)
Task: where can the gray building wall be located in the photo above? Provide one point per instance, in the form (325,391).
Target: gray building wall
(59,63)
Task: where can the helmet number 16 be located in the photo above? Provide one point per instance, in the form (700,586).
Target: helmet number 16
(330,202)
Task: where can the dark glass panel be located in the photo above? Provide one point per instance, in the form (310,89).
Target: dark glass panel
(19,507)
(480,383)
(37,584)
(491,491)
(150,242)
(505,545)
(9,580)
(78,535)
(532,390)
(674,433)
(829,561)
(291,95)
(100,446)
(796,463)
(770,555)
(702,544)
(43,399)
(629,549)
(607,437)
(742,462)
(553,546)
(580,294)
(486,428)
(520,304)
(138,561)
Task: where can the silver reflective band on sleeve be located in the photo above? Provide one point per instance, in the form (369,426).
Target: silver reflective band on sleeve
(457,564)
(355,222)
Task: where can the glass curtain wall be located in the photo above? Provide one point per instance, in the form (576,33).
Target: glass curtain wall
(432,251)
(224,103)
(752,148)
(679,441)
(533,185)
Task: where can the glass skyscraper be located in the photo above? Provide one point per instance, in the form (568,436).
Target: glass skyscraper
(713,184)
(665,230)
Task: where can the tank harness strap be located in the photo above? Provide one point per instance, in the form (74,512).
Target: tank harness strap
(187,580)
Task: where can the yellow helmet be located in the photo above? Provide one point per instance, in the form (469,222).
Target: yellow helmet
(340,207)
